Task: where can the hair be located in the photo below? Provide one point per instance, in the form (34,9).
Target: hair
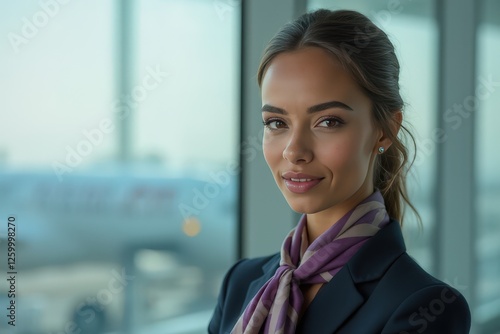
(366,52)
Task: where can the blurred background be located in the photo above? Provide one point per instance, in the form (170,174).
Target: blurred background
(130,154)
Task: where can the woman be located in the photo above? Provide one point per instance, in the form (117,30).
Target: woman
(332,114)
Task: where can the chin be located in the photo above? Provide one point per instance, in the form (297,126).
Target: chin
(306,208)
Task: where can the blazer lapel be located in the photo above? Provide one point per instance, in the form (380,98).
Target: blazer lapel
(268,271)
(335,301)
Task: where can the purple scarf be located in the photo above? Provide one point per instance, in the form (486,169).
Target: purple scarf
(277,305)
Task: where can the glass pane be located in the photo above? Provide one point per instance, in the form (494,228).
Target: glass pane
(180,121)
(57,84)
(412,28)
(188,123)
(488,166)
(57,89)
(104,246)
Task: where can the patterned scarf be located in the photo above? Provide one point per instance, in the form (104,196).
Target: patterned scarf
(277,305)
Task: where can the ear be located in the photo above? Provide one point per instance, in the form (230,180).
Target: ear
(395,124)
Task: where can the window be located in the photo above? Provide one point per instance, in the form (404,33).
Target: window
(487,167)
(111,242)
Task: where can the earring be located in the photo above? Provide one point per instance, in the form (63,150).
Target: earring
(381,150)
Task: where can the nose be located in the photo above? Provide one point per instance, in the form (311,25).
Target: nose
(297,150)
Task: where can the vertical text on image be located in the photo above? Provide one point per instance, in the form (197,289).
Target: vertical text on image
(11,270)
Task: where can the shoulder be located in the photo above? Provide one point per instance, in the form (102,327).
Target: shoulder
(234,289)
(239,277)
(421,302)
(405,297)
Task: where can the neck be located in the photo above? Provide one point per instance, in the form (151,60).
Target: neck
(319,222)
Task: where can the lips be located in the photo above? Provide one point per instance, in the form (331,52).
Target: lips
(299,176)
(300,183)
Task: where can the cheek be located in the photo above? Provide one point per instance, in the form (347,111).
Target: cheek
(272,151)
(343,155)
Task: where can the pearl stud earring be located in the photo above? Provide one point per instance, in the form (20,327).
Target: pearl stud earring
(381,149)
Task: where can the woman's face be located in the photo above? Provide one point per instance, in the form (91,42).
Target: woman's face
(333,145)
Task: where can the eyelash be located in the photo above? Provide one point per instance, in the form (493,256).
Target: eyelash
(339,121)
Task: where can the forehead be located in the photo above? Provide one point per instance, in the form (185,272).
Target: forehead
(308,75)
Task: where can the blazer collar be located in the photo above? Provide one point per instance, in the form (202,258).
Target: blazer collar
(377,254)
(269,268)
(339,298)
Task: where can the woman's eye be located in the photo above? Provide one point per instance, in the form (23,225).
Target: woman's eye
(330,123)
(274,124)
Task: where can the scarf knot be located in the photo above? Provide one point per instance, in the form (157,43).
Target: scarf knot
(277,305)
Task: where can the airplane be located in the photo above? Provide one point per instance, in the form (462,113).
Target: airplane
(156,243)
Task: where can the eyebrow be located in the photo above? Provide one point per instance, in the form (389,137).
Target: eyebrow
(310,110)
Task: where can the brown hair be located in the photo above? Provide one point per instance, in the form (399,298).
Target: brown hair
(367,53)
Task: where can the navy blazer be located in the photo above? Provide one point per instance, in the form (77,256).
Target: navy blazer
(381,289)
